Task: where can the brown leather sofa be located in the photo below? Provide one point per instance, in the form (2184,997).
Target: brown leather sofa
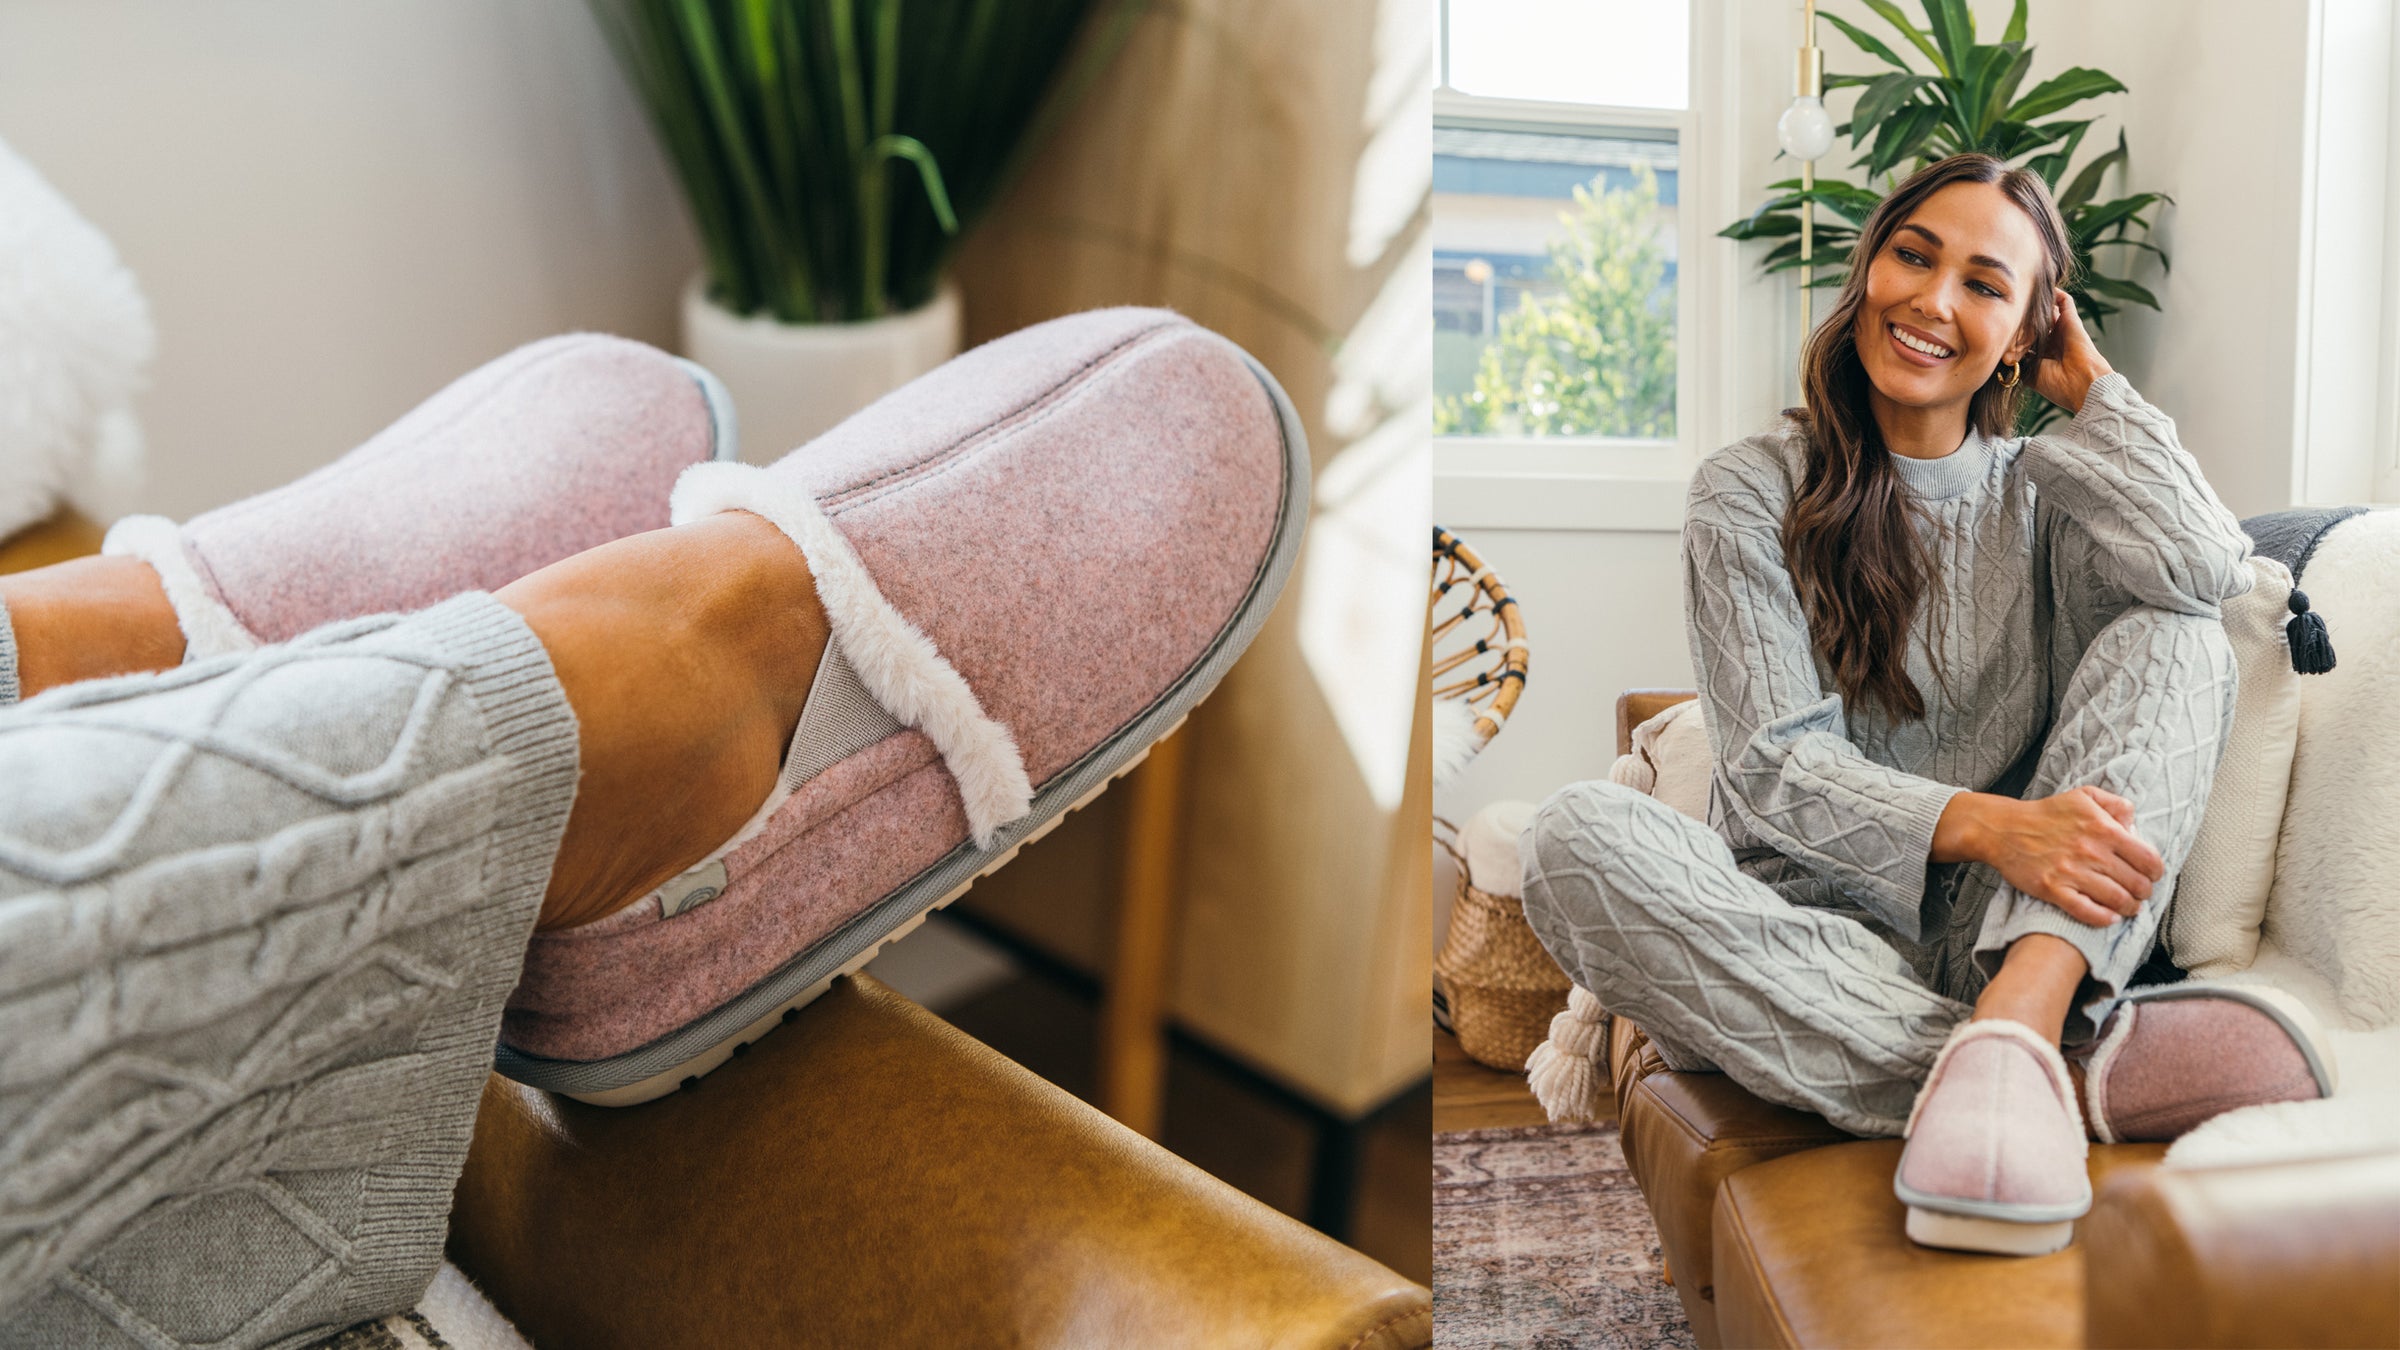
(1780,1230)
(870,1176)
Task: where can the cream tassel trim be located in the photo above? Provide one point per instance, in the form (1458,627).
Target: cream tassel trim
(897,663)
(1566,1071)
(209,629)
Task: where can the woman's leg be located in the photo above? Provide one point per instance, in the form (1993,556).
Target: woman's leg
(259,914)
(96,617)
(1646,908)
(2035,984)
(2144,714)
(1996,1158)
(686,655)
(83,620)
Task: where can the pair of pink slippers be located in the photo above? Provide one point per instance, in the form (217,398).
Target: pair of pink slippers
(1034,561)
(1995,1160)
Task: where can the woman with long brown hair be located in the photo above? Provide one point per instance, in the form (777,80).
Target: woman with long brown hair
(1966,693)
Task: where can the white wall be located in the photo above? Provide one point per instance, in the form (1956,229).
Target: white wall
(2215,116)
(1604,612)
(337,208)
(2270,124)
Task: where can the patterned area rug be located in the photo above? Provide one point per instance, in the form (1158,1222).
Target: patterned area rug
(1541,1239)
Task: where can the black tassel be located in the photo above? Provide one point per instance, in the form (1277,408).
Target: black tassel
(2312,646)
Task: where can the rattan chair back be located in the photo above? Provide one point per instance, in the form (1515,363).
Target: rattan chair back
(1479,651)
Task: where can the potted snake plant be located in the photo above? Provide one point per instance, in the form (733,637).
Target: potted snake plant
(832,152)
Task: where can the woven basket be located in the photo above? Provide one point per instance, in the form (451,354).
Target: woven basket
(1502,985)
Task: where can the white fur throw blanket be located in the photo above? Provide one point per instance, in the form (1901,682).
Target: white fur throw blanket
(2332,931)
(2332,905)
(75,343)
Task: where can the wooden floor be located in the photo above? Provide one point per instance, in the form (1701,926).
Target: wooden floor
(1469,1096)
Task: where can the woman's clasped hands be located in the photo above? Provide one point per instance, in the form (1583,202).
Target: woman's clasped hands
(2075,849)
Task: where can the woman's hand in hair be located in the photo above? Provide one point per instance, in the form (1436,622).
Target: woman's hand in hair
(2070,363)
(2076,850)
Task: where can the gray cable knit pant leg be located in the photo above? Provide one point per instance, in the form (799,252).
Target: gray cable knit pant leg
(1646,908)
(258,916)
(2145,716)
(1817,1008)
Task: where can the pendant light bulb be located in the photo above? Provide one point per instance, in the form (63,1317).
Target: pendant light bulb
(1805,130)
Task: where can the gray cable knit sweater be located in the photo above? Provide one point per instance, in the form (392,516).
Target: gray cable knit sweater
(2031,534)
(258,916)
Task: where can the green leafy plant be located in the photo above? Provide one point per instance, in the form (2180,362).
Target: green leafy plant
(1598,357)
(832,150)
(1906,118)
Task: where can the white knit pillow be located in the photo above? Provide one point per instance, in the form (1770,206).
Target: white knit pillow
(2221,894)
(1670,759)
(1490,844)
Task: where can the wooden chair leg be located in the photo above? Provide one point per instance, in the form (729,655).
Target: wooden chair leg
(1133,1042)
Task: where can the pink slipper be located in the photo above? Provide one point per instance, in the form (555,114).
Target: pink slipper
(2172,1056)
(560,446)
(1995,1155)
(1035,561)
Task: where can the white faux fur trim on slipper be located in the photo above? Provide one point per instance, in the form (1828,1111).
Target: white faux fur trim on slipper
(209,629)
(897,663)
(2097,1065)
(2053,1063)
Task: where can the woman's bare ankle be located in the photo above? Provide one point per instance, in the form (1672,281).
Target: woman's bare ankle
(89,618)
(2036,985)
(686,655)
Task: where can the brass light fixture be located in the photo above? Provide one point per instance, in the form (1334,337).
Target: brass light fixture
(1806,131)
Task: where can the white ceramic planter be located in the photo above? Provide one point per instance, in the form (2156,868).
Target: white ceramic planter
(792,382)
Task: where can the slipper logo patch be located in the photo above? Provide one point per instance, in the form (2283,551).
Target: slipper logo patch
(694,888)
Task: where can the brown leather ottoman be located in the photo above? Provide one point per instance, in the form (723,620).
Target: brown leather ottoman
(1811,1250)
(1683,1135)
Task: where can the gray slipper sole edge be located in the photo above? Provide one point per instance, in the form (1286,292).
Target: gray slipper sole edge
(725,439)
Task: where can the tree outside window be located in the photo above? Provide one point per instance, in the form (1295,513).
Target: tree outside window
(1593,354)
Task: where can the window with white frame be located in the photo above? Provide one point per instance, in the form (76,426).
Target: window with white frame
(1559,132)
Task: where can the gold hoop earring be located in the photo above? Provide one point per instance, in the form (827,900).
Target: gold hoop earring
(2014,374)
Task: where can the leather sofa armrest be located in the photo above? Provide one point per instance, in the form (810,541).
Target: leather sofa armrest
(2292,1254)
(869,1175)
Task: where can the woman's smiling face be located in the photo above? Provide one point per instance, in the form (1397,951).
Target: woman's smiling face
(1947,296)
